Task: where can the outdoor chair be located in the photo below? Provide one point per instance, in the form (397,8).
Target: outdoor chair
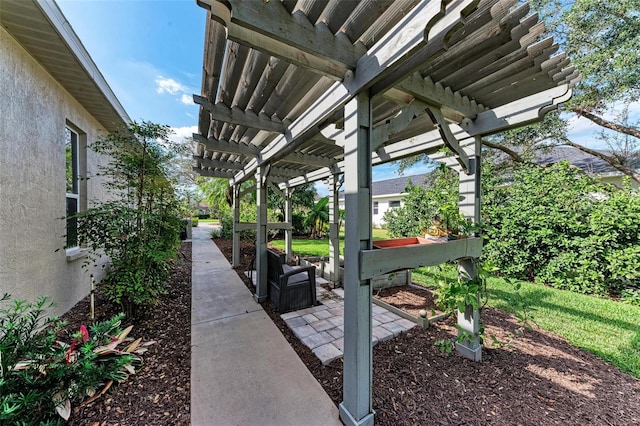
(290,287)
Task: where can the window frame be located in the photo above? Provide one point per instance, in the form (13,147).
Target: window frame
(394,204)
(72,137)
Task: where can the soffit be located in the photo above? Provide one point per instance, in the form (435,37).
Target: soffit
(42,30)
(268,65)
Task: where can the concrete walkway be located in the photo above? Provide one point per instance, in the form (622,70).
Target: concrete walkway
(243,371)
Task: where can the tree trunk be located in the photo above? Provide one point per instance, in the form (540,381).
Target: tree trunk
(631,131)
(511,153)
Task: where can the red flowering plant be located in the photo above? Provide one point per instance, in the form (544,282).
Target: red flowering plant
(42,376)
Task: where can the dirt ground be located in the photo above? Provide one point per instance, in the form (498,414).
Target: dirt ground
(534,379)
(159,393)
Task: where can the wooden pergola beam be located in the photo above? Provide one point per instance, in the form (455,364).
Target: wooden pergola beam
(213,173)
(404,40)
(221,145)
(270,28)
(218,164)
(221,112)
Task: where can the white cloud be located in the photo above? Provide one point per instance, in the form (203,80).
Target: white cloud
(186,99)
(169,85)
(179,133)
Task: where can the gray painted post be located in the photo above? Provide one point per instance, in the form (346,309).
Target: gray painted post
(334,230)
(469,206)
(261,236)
(469,321)
(235,257)
(288,217)
(356,408)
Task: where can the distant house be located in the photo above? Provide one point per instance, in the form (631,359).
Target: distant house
(387,194)
(53,104)
(591,165)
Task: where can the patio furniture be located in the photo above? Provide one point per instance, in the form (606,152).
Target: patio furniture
(290,287)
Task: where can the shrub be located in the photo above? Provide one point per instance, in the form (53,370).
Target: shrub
(41,376)
(194,222)
(299,223)
(139,229)
(422,203)
(564,229)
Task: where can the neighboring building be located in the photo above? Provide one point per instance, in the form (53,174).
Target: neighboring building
(591,165)
(387,194)
(53,104)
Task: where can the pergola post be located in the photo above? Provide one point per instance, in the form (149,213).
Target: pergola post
(469,206)
(261,235)
(288,218)
(356,408)
(235,256)
(334,230)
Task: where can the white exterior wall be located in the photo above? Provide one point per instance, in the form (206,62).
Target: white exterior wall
(377,220)
(34,109)
(383,206)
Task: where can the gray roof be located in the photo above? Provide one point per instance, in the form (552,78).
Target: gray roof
(393,186)
(590,164)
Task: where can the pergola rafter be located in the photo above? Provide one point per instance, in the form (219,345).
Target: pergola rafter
(296,91)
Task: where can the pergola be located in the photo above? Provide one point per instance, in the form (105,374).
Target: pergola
(295,91)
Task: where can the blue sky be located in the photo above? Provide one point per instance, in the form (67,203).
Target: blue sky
(150,53)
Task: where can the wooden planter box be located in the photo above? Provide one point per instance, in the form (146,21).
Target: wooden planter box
(402,242)
(413,252)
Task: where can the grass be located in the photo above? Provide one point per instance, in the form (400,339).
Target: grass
(320,248)
(210,220)
(605,327)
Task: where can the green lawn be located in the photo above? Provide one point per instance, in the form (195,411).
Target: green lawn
(605,327)
(317,248)
(210,220)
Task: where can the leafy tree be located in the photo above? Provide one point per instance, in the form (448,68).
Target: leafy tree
(217,193)
(601,38)
(318,217)
(138,228)
(302,200)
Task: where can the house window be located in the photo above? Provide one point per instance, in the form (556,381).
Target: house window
(72,156)
(375,207)
(394,204)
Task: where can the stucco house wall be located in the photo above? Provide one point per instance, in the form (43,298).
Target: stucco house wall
(34,111)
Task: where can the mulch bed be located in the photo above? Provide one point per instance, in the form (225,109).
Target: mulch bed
(409,298)
(532,379)
(159,393)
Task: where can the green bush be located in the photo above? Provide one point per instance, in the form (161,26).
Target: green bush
(299,223)
(42,377)
(194,222)
(422,203)
(562,228)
